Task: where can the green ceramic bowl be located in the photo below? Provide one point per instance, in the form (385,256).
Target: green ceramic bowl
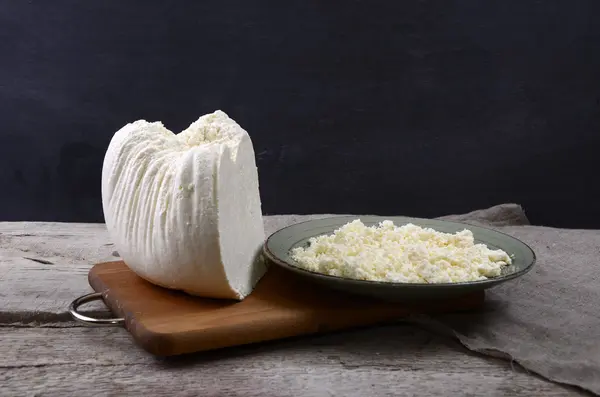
(278,248)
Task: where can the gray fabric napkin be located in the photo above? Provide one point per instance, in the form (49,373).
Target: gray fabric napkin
(548,320)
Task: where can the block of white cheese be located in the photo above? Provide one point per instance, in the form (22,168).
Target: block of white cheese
(184,209)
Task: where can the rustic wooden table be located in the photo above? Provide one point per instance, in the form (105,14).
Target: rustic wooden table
(43,267)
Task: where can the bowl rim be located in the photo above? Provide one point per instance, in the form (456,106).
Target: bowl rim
(387,284)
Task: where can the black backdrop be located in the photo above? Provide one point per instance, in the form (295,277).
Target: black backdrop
(388,107)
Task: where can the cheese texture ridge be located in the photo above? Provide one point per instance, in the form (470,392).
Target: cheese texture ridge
(184,210)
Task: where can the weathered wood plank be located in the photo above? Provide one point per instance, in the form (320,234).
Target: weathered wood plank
(44,266)
(393,360)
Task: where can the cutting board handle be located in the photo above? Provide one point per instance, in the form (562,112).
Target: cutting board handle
(94,296)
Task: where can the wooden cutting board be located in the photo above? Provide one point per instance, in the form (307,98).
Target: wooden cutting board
(167,323)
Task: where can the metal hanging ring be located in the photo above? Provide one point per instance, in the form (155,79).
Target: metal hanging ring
(94,296)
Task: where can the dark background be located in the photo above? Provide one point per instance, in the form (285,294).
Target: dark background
(418,108)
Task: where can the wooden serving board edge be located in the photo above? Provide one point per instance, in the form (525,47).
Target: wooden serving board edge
(147,340)
(164,344)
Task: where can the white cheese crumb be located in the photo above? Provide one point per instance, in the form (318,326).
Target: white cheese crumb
(406,254)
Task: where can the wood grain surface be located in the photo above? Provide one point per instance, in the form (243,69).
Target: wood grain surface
(44,353)
(283,305)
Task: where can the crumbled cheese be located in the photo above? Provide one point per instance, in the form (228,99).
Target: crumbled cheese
(406,254)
